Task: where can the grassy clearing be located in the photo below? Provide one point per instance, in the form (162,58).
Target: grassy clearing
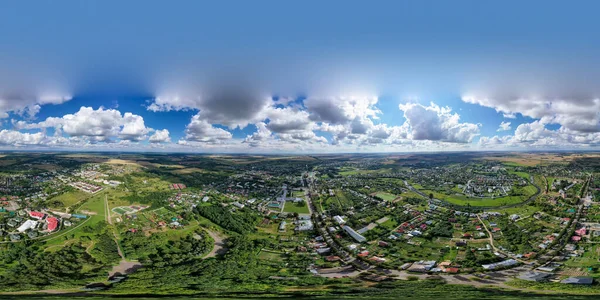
(299,207)
(95,205)
(523,175)
(67,199)
(351,171)
(501,201)
(386,196)
(271,255)
(298,194)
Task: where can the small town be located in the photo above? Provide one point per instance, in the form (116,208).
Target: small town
(498,224)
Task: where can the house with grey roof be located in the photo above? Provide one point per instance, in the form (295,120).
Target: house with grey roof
(578,280)
(534,276)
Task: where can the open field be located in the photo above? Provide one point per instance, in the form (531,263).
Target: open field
(301,208)
(270,255)
(351,171)
(47,167)
(386,196)
(95,206)
(188,170)
(67,199)
(523,175)
(464,200)
(534,159)
(114,161)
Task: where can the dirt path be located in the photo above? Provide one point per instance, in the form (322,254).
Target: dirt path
(491,237)
(125,267)
(89,248)
(219,246)
(106,208)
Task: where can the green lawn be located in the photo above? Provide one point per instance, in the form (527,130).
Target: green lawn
(386,196)
(271,255)
(298,194)
(389,224)
(300,207)
(523,175)
(349,171)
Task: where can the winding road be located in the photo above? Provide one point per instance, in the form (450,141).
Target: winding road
(219,246)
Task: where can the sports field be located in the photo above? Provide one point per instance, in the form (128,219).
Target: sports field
(300,207)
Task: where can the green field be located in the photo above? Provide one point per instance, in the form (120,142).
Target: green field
(271,255)
(95,204)
(298,194)
(523,175)
(386,196)
(300,208)
(351,171)
(463,200)
(67,199)
(119,210)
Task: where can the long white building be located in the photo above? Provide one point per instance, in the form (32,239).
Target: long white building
(29,224)
(357,236)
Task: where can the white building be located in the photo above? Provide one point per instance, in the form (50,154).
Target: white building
(339,220)
(29,224)
(359,238)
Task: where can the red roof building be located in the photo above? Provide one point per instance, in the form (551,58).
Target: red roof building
(580,232)
(452,270)
(363,254)
(52,223)
(36,214)
(575,238)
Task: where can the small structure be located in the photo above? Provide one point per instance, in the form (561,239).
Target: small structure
(534,276)
(282,225)
(339,220)
(579,280)
(422,266)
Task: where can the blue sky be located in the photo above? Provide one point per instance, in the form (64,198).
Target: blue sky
(273,76)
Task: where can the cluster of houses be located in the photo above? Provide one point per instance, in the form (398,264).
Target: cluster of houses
(32,224)
(538,276)
(177,186)
(86,187)
(485,186)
